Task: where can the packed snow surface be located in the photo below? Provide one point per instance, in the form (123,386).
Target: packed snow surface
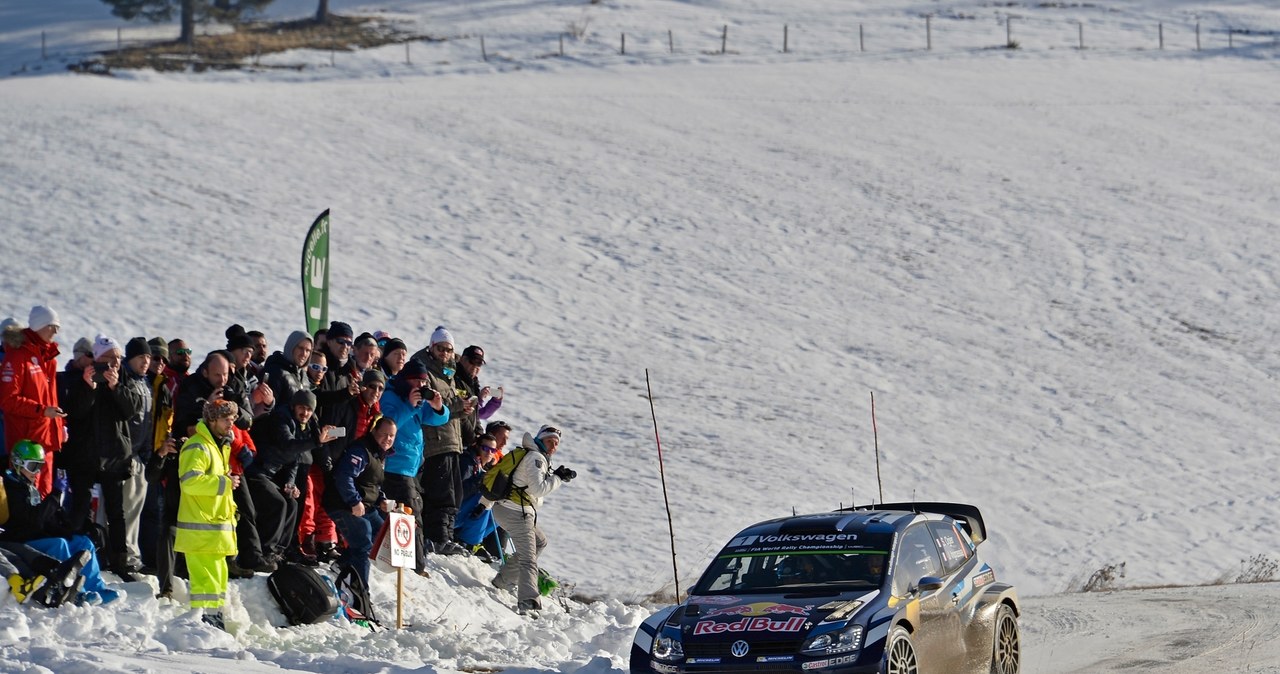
(1056,269)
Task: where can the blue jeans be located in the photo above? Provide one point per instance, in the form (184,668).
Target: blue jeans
(61,550)
(358,532)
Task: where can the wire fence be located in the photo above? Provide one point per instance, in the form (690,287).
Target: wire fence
(951,32)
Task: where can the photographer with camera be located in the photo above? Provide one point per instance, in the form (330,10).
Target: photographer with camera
(531,479)
(411,403)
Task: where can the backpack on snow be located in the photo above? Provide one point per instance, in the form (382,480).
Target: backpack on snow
(303,595)
(353,595)
(497,483)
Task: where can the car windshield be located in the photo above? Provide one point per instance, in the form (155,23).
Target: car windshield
(795,571)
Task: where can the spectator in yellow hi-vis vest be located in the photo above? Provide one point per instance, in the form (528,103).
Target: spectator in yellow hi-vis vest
(207,509)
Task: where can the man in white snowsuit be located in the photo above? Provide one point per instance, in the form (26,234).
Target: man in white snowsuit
(531,480)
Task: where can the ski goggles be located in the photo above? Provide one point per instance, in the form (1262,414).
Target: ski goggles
(32,465)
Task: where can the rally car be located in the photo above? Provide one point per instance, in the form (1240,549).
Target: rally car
(896,588)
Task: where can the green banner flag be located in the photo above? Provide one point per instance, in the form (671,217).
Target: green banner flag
(315,274)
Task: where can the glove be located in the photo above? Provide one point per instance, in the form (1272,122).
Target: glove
(60,482)
(245,456)
(564,474)
(478,511)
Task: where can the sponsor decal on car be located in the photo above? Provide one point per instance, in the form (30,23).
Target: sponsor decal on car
(761,624)
(775,658)
(985,578)
(703,661)
(760,608)
(664,669)
(771,539)
(833,662)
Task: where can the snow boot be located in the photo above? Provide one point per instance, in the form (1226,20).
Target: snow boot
(64,582)
(24,588)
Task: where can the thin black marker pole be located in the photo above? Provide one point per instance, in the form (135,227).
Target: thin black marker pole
(663,473)
(876,435)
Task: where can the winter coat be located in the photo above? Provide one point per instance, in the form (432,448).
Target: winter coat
(162,405)
(206,509)
(284,446)
(98,438)
(333,390)
(28,522)
(352,415)
(448,437)
(28,384)
(188,407)
(357,477)
(532,479)
(406,454)
(284,378)
(141,426)
(472,473)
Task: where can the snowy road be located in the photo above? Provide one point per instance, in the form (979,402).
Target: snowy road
(1225,628)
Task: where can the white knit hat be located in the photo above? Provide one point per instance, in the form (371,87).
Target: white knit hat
(42,317)
(441,335)
(103,344)
(547,432)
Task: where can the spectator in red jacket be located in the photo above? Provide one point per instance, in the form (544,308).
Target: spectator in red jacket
(29,389)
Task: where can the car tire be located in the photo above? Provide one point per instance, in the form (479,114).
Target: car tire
(1006,649)
(900,653)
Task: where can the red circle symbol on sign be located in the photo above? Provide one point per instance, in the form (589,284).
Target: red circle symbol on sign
(402,533)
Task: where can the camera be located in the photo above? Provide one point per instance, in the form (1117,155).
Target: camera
(99,373)
(427,392)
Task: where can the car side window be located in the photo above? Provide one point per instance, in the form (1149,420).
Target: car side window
(917,557)
(954,552)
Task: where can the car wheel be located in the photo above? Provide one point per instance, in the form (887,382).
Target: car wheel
(900,653)
(1006,653)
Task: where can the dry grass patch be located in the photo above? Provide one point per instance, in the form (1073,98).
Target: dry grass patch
(248,41)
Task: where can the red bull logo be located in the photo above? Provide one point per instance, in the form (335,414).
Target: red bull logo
(761,624)
(760,608)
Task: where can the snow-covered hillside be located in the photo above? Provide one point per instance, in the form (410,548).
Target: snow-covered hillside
(1057,270)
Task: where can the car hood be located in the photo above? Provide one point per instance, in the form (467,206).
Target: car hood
(719,617)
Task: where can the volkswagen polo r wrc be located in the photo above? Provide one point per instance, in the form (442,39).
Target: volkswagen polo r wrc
(896,588)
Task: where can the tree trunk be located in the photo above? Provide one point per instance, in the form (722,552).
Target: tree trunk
(322,12)
(188,22)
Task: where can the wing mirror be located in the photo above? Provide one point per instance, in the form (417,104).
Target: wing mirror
(929,584)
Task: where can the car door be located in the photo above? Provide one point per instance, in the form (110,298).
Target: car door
(936,637)
(956,596)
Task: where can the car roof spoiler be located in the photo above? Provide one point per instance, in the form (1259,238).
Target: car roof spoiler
(965,514)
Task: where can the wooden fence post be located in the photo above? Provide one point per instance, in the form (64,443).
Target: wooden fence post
(1080,25)
(1161,29)
(724,40)
(624,44)
(928,31)
(671,43)
(562,44)
(119,40)
(407,60)
(1008,31)
(1197,36)
(862,44)
(784,37)
(483,53)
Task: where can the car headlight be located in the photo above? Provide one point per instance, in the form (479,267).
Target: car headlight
(667,648)
(834,642)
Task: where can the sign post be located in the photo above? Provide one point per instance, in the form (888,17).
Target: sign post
(403,553)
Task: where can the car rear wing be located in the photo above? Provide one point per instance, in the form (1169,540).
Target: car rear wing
(968,516)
